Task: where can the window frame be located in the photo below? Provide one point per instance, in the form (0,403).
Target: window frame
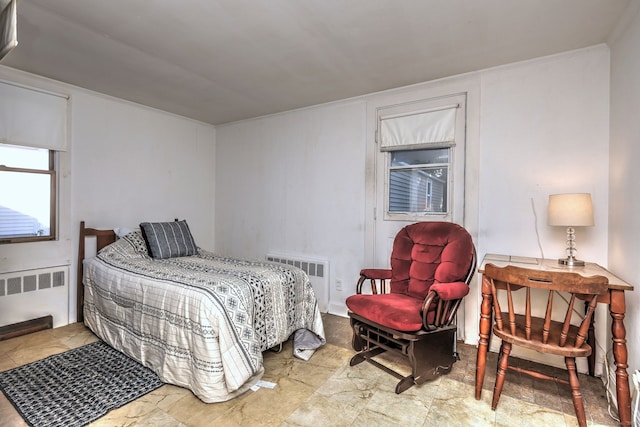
(456,163)
(428,184)
(53,179)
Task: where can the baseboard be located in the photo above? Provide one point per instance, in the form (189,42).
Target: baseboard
(26,327)
(338,309)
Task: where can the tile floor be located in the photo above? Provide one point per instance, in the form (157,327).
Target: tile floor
(325,391)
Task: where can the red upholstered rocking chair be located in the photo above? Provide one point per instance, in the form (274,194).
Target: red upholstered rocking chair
(432,264)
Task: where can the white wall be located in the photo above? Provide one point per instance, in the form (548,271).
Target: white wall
(133,164)
(127,163)
(300,174)
(624,200)
(293,183)
(544,130)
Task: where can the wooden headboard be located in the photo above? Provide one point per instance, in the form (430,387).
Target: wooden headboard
(103,238)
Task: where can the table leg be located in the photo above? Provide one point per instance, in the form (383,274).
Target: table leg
(483,343)
(617,309)
(591,340)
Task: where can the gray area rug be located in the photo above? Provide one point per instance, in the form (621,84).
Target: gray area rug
(76,387)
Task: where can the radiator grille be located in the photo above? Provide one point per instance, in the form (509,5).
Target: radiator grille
(316,268)
(33,280)
(29,283)
(44,281)
(311,268)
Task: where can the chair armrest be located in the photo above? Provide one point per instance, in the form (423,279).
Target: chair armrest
(450,291)
(373,275)
(441,304)
(376,273)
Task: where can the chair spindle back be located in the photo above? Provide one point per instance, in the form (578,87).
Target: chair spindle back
(511,279)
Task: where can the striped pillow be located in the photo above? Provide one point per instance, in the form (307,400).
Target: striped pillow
(169,239)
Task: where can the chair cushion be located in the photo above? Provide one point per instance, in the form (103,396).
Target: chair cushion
(396,311)
(429,252)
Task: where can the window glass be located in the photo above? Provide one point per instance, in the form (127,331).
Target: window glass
(420,157)
(24,157)
(27,180)
(419,181)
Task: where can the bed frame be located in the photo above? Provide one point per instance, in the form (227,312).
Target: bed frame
(103,238)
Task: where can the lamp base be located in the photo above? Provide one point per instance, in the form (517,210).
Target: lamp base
(571,262)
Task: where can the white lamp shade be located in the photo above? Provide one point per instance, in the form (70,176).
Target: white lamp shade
(570,210)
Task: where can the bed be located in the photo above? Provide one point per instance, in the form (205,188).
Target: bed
(199,320)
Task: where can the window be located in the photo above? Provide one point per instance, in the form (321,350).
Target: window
(418,147)
(28,195)
(419,181)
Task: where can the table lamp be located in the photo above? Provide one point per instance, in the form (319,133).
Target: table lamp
(570,210)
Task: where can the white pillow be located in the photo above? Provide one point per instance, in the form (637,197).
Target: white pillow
(123,231)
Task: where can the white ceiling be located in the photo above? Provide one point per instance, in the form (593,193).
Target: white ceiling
(224,60)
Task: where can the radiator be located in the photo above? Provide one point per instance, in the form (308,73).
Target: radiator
(316,268)
(31,294)
(32,280)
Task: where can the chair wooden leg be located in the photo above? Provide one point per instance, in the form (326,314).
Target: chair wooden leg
(503,363)
(357,342)
(429,354)
(576,395)
(364,355)
(432,356)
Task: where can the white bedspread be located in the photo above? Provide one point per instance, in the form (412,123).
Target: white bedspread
(199,322)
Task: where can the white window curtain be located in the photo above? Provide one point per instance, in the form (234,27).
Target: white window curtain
(32,118)
(419,129)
